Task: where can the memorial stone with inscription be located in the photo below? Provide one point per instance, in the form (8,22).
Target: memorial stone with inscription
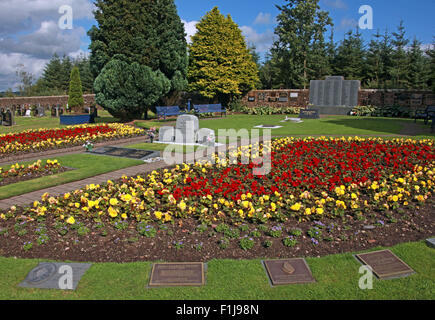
(186,128)
(334,92)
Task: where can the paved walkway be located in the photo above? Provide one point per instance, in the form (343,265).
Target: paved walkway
(29,198)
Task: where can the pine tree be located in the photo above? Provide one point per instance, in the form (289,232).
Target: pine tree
(67,66)
(374,62)
(221,66)
(399,70)
(300,50)
(386,61)
(350,59)
(126,89)
(431,67)
(147,32)
(52,75)
(417,73)
(75,93)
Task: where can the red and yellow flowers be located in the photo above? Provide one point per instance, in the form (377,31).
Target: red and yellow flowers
(310,179)
(42,139)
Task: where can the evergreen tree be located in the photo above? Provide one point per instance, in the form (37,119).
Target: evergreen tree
(431,67)
(374,62)
(86,75)
(67,66)
(386,61)
(52,75)
(221,66)
(75,92)
(417,73)
(300,49)
(127,89)
(350,58)
(149,33)
(399,70)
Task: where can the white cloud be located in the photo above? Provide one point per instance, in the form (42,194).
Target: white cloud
(336,4)
(23,15)
(262,41)
(30,35)
(190,28)
(263,18)
(45,41)
(347,23)
(11,62)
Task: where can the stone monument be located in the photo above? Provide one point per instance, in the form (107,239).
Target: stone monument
(334,95)
(187,131)
(186,128)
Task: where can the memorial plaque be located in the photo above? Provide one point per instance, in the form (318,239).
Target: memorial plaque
(290,271)
(328,94)
(49,275)
(177,274)
(431,242)
(309,114)
(354,91)
(337,88)
(166,134)
(385,264)
(126,153)
(346,91)
(186,128)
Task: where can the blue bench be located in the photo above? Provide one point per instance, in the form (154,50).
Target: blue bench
(210,108)
(426,114)
(168,111)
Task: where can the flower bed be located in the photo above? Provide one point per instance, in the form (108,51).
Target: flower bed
(17,173)
(319,192)
(44,139)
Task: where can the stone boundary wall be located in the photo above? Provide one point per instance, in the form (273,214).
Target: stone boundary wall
(43,101)
(300,98)
(273,98)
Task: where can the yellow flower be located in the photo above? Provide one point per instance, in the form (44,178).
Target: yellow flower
(66,196)
(296,207)
(71,220)
(266,198)
(395,198)
(307,211)
(113,202)
(2,216)
(273,206)
(209,197)
(320,211)
(245,204)
(182,205)
(126,197)
(158,215)
(112,212)
(77,205)
(124,216)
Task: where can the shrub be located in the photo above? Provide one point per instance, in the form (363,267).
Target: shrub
(247,243)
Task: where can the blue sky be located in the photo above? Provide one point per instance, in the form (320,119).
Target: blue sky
(29,34)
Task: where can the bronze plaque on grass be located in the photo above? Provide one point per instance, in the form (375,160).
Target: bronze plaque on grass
(177,274)
(289,271)
(385,264)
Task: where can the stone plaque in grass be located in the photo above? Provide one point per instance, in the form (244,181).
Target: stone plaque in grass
(385,264)
(177,274)
(289,271)
(126,153)
(431,242)
(61,276)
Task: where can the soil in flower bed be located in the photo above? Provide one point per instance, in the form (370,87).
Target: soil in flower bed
(186,240)
(30,176)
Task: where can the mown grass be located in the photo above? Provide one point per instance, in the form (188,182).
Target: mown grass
(328,126)
(336,277)
(85,165)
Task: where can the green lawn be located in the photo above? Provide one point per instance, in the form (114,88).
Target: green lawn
(160,147)
(86,166)
(333,125)
(336,275)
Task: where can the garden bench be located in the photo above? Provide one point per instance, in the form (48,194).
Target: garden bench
(425,114)
(210,108)
(168,111)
